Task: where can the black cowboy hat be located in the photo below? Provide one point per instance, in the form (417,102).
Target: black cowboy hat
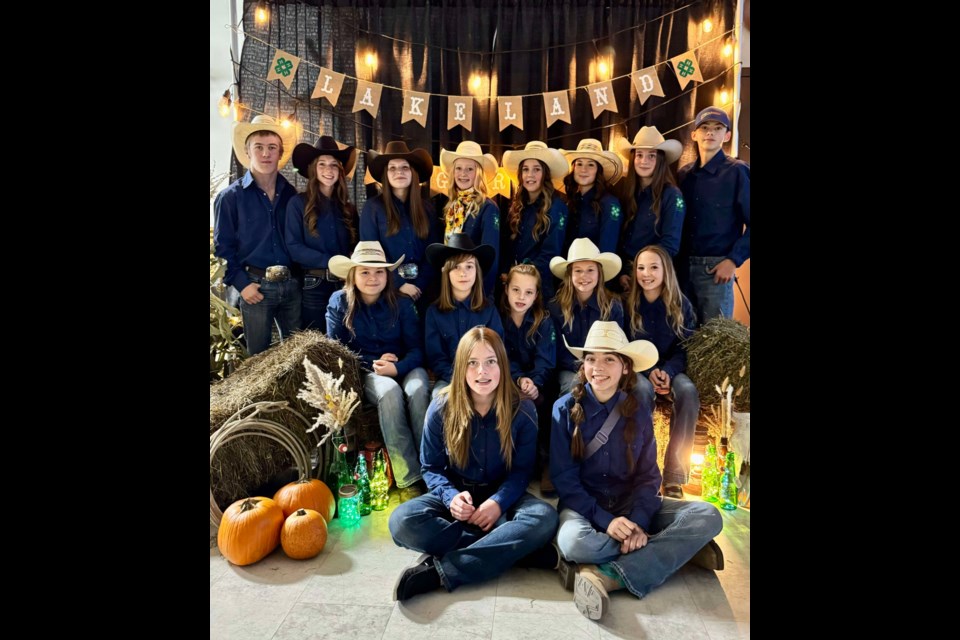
(419,159)
(304,154)
(438,254)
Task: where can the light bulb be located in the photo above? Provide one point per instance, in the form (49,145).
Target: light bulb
(603,69)
(223,105)
(371,59)
(727,50)
(262,15)
(707,26)
(475,82)
(723,96)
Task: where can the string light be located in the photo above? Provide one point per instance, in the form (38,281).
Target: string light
(371,60)
(475,82)
(223,105)
(724,96)
(262,13)
(707,25)
(728,49)
(603,69)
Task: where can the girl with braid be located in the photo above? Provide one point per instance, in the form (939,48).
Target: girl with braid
(603,461)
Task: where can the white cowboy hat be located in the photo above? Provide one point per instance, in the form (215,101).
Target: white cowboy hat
(583,249)
(242,131)
(559,167)
(590,148)
(368,253)
(651,138)
(471,151)
(608,337)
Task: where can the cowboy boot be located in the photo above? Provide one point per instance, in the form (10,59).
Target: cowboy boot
(591,589)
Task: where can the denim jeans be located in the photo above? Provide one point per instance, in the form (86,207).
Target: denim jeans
(281,300)
(683,424)
(566,380)
(464,553)
(316,295)
(709,299)
(438,386)
(395,400)
(677,532)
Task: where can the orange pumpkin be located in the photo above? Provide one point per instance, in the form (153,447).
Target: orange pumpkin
(250,530)
(306,494)
(304,534)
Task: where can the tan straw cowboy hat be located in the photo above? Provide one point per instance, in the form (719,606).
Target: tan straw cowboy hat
(608,337)
(583,249)
(651,138)
(559,167)
(368,253)
(469,150)
(590,148)
(242,131)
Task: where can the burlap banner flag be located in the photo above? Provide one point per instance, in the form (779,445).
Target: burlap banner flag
(415,107)
(439,181)
(556,104)
(329,84)
(510,110)
(368,97)
(647,83)
(686,68)
(601,97)
(500,185)
(460,112)
(283,67)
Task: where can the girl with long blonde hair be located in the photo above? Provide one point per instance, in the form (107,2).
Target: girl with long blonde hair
(478,451)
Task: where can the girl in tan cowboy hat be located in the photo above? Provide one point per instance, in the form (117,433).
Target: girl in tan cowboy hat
(400,219)
(594,210)
(462,303)
(538,219)
(659,312)
(603,461)
(654,205)
(370,318)
(582,299)
(468,209)
(321,223)
(479,444)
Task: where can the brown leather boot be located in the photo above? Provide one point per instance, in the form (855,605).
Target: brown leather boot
(710,557)
(591,589)
(546,486)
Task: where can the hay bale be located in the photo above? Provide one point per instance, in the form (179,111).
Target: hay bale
(276,374)
(718,350)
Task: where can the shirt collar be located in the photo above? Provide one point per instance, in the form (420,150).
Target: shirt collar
(593,407)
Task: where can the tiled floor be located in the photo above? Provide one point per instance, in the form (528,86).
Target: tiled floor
(346,592)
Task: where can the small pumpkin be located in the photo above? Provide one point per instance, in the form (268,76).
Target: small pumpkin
(306,494)
(250,530)
(304,534)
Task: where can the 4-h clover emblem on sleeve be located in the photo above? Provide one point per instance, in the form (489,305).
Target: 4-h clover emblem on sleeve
(615,212)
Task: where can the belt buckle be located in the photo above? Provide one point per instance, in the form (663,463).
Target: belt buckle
(277,273)
(408,271)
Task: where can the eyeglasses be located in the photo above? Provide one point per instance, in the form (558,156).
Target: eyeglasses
(489,363)
(398,169)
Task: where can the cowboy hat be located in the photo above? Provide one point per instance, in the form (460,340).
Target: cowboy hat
(304,154)
(583,249)
(537,150)
(368,253)
(438,253)
(419,159)
(471,151)
(242,131)
(651,138)
(590,148)
(608,337)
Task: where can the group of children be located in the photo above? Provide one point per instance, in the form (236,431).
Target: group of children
(463,457)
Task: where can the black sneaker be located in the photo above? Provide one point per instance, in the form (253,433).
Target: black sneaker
(546,557)
(420,578)
(568,573)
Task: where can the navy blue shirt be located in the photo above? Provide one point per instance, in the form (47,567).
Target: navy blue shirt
(248,228)
(484,228)
(379,330)
(583,318)
(486,463)
(333,236)
(602,487)
(406,242)
(603,230)
(644,229)
(526,250)
(658,330)
(445,328)
(533,357)
(718,207)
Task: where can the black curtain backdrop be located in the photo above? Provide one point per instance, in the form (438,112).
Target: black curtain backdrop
(518,48)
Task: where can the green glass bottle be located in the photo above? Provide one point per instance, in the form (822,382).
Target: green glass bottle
(340,473)
(379,485)
(363,485)
(728,485)
(710,476)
